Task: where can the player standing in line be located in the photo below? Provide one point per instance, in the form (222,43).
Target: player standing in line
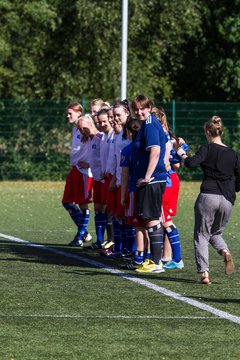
(77,193)
(128,198)
(221,168)
(124,234)
(108,168)
(88,128)
(150,171)
(95,106)
(170,199)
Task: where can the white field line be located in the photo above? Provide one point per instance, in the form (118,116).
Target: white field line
(113,317)
(139,281)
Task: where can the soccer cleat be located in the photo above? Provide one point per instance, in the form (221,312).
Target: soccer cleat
(107,244)
(107,252)
(87,237)
(113,254)
(149,266)
(76,242)
(132,265)
(229,264)
(126,254)
(165,261)
(96,246)
(174,265)
(204,279)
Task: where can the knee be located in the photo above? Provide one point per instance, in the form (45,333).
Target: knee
(70,207)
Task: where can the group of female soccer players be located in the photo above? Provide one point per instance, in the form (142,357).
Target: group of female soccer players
(123,161)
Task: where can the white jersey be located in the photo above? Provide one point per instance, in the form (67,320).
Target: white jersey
(94,156)
(107,152)
(79,152)
(120,143)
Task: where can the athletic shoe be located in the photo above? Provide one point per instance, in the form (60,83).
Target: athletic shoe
(126,254)
(107,244)
(165,261)
(204,279)
(229,264)
(114,254)
(107,252)
(149,266)
(87,237)
(174,265)
(76,242)
(96,246)
(132,265)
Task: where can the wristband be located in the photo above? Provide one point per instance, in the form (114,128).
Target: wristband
(181,152)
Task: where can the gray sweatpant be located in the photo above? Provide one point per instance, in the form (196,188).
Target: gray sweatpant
(212,213)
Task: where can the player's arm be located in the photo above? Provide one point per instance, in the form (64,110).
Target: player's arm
(153,160)
(167,156)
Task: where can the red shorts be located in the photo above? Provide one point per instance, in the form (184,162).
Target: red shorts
(131,211)
(78,188)
(170,198)
(108,197)
(97,191)
(118,209)
(111,201)
(104,189)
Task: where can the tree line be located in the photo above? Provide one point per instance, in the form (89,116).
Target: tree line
(177,49)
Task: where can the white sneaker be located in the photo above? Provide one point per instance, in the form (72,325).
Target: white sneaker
(87,237)
(76,242)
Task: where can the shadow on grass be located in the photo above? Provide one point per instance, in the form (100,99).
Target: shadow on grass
(32,254)
(219,301)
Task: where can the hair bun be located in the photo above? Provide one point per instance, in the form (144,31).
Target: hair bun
(216,120)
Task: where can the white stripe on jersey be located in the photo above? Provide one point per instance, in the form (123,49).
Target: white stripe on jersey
(149,120)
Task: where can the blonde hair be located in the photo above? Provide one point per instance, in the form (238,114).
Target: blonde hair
(105,105)
(88,118)
(161,116)
(98,102)
(214,126)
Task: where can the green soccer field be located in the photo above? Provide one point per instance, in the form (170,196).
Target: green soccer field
(67,303)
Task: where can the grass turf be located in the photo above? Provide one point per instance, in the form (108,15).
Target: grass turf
(57,307)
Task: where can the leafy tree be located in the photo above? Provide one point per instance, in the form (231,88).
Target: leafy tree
(182,49)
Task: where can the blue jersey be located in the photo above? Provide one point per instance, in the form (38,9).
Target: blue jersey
(151,134)
(126,161)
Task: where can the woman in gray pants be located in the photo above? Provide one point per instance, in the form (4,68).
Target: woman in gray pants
(221,169)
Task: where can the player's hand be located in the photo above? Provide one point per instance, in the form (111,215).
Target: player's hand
(83,164)
(144,181)
(123,203)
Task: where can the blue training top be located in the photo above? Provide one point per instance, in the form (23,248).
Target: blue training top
(151,134)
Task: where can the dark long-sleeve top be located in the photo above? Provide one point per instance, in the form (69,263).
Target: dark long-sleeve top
(221,170)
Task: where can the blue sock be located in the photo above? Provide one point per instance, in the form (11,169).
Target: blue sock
(117,235)
(139,257)
(104,223)
(130,238)
(75,213)
(174,238)
(100,225)
(82,228)
(147,254)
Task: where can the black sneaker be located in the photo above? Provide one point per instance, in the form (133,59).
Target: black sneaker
(126,254)
(132,265)
(96,246)
(76,242)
